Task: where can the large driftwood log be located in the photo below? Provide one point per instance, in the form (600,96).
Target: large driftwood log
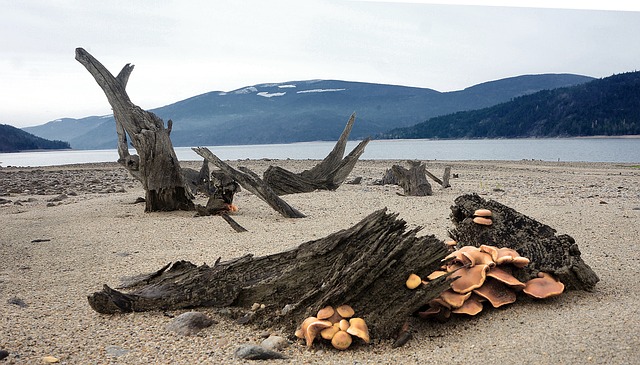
(252,182)
(156,166)
(365,266)
(548,252)
(327,175)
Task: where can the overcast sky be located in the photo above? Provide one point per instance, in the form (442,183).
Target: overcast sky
(182,48)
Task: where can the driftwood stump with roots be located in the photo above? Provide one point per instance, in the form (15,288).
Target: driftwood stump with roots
(327,175)
(156,166)
(365,266)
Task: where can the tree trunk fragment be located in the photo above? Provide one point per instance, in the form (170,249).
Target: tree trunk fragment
(252,182)
(365,266)
(327,175)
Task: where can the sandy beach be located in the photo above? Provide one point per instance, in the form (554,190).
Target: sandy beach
(67,230)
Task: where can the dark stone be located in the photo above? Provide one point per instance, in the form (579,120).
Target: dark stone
(3,354)
(17,301)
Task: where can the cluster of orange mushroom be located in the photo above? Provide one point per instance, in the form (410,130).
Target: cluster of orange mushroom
(484,275)
(337,325)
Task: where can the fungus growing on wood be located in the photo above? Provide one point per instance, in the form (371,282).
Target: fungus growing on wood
(341,340)
(413,281)
(544,286)
(325,313)
(330,324)
(345,311)
(482,213)
(471,306)
(496,293)
(358,327)
(483,221)
(469,278)
(314,329)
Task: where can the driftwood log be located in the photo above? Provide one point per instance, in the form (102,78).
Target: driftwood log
(252,182)
(365,266)
(156,166)
(327,175)
(548,252)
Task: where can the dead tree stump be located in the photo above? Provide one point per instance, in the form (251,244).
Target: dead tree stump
(548,252)
(327,175)
(156,166)
(414,180)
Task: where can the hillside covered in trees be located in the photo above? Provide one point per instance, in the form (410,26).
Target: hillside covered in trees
(13,139)
(608,106)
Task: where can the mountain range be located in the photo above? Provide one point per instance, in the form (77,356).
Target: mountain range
(299,111)
(603,107)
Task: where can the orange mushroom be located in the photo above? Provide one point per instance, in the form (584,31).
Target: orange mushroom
(345,311)
(469,278)
(314,329)
(341,340)
(482,221)
(482,213)
(544,286)
(455,300)
(471,306)
(325,312)
(496,293)
(358,327)
(504,275)
(302,331)
(413,281)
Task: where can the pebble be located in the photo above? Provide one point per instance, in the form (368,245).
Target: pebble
(255,352)
(275,343)
(189,323)
(115,351)
(3,354)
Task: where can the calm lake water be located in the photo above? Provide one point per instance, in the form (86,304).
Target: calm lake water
(557,149)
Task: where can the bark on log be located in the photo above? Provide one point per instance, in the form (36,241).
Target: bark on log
(327,175)
(365,266)
(252,183)
(156,166)
(413,181)
(548,252)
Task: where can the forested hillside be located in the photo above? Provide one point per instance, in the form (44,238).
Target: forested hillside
(608,106)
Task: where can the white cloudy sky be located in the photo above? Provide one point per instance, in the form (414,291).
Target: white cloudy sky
(182,48)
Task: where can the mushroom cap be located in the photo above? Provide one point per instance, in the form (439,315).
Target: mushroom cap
(479,258)
(314,329)
(504,275)
(343,325)
(335,317)
(491,250)
(413,281)
(345,311)
(520,261)
(506,255)
(341,340)
(451,243)
(455,300)
(471,306)
(301,332)
(496,293)
(329,332)
(431,311)
(358,327)
(436,274)
(544,286)
(482,213)
(482,221)
(469,278)
(325,312)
